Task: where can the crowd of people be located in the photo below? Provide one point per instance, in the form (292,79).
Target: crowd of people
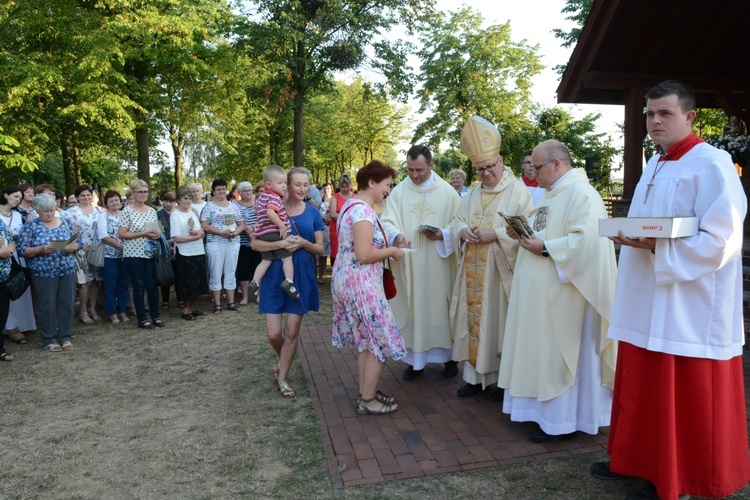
(209,242)
(534,311)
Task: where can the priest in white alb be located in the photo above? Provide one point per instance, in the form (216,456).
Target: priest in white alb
(424,278)
(558,364)
(487,257)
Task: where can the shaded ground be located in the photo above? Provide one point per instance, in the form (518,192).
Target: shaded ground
(191,411)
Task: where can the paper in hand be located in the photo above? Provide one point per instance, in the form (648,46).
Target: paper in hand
(518,224)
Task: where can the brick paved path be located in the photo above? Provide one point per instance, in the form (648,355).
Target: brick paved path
(433,431)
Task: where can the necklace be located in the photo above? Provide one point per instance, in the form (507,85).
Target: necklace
(651,182)
(9,214)
(484,206)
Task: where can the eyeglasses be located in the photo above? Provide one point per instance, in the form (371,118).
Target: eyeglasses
(537,167)
(140,192)
(481,171)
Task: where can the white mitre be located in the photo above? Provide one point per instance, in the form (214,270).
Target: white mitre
(480,140)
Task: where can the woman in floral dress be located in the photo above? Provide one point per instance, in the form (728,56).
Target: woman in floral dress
(361,314)
(85,216)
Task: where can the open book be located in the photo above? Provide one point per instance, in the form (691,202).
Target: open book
(519,224)
(60,244)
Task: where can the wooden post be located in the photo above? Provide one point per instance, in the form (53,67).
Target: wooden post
(635,131)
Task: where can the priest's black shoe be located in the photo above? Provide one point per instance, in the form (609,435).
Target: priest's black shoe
(451,369)
(601,470)
(542,437)
(469,390)
(410,373)
(497,395)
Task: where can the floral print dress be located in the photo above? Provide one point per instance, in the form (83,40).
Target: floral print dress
(361,313)
(86,225)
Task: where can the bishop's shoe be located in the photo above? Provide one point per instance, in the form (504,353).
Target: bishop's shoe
(469,390)
(410,373)
(451,369)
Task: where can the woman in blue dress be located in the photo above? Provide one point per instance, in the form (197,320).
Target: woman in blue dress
(306,243)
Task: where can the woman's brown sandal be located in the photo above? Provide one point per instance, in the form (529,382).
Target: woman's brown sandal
(385,409)
(388,400)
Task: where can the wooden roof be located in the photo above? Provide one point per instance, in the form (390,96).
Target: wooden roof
(634,44)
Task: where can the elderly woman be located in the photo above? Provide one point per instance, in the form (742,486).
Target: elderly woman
(168,200)
(21,315)
(249,258)
(198,204)
(334,207)
(53,271)
(115,274)
(85,216)
(305,243)
(7,249)
(71,202)
(222,222)
(361,313)
(457,178)
(190,255)
(138,224)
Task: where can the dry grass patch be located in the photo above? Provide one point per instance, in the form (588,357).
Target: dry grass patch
(191,411)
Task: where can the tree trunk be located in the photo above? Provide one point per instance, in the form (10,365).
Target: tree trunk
(300,90)
(178,143)
(141,141)
(70,185)
(77,165)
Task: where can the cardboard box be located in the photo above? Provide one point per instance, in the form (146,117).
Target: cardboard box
(649,227)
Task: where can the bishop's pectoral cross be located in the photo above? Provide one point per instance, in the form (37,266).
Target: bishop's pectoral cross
(482,215)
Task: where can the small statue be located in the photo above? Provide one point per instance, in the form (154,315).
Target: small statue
(734,126)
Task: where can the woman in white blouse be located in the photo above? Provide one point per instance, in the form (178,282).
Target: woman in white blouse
(190,256)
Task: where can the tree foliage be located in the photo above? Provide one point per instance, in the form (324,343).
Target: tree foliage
(589,150)
(469,70)
(578,11)
(308,40)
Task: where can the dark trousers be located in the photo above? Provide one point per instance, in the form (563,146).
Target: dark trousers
(115,286)
(141,273)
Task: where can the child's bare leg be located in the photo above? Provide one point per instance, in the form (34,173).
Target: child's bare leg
(288,267)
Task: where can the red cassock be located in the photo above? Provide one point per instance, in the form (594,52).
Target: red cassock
(679,422)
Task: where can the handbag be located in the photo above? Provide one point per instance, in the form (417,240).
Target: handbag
(95,255)
(81,264)
(162,259)
(18,280)
(389,283)
(80,258)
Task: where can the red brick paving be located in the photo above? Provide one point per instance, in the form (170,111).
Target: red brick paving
(433,432)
